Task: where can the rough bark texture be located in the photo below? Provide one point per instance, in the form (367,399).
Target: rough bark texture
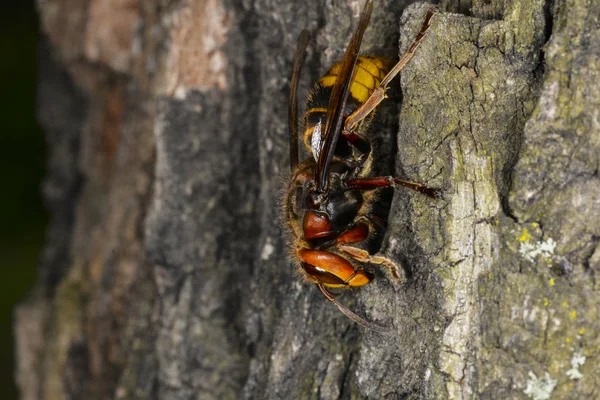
(165,273)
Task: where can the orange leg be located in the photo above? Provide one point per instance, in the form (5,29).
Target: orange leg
(390,181)
(357,234)
(363,256)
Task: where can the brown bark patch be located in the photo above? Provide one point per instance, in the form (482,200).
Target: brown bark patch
(111,126)
(63,21)
(110,32)
(196,61)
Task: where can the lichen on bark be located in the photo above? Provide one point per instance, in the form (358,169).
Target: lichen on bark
(510,247)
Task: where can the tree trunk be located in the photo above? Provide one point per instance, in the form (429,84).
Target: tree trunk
(166,273)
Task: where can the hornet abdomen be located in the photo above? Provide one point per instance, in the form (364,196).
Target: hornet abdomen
(369,72)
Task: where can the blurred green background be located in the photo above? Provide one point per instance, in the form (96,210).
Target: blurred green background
(22,216)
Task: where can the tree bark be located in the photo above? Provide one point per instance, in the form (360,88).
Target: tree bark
(166,274)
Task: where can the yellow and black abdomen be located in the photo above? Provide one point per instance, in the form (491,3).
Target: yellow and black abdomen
(369,72)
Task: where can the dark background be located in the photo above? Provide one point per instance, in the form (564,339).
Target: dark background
(22,215)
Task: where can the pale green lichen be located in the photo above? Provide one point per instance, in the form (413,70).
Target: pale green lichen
(540,248)
(577,361)
(539,388)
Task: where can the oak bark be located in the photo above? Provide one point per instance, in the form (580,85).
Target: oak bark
(166,274)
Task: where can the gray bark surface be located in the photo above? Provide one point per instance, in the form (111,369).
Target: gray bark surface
(166,272)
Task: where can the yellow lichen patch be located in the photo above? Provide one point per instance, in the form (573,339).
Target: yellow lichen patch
(551,282)
(568,340)
(546,302)
(573,314)
(565,304)
(581,331)
(534,224)
(525,236)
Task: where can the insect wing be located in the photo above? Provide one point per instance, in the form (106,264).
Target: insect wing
(337,103)
(303,41)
